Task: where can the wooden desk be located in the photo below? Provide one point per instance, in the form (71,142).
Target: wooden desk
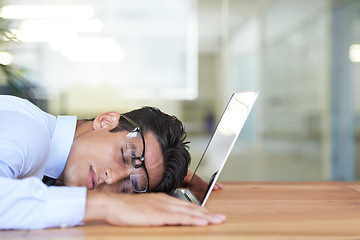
(310,210)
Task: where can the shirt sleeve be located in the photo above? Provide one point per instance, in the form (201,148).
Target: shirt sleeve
(25,201)
(30,204)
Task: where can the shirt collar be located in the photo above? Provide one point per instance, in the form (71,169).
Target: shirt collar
(61,141)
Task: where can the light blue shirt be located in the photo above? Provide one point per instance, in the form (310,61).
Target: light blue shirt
(34,143)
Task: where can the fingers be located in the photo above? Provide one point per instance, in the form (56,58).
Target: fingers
(192,214)
(187,220)
(218,186)
(179,218)
(167,210)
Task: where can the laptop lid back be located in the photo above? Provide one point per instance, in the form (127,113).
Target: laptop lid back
(221,143)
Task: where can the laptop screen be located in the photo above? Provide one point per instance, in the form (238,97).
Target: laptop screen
(221,143)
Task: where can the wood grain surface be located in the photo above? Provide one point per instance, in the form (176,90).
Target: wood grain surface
(254,210)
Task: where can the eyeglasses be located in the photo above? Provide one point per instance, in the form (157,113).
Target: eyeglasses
(135,149)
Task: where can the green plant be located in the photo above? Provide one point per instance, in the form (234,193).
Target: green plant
(12,74)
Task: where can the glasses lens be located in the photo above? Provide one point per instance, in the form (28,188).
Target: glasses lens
(135,149)
(134,144)
(138,180)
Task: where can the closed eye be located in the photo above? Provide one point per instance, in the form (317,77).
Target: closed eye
(123,157)
(136,162)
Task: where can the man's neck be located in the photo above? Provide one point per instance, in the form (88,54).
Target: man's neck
(82,126)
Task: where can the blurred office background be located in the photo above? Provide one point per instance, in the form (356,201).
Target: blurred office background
(187,57)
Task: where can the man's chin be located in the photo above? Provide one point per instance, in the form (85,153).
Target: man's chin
(72,182)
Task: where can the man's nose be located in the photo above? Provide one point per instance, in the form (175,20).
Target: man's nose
(115,174)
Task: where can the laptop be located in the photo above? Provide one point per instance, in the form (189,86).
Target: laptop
(219,147)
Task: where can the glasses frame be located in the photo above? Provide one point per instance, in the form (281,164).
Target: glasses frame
(142,157)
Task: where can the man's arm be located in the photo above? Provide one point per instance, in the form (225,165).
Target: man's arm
(30,204)
(154,209)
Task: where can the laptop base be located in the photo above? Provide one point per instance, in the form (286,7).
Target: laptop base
(185,194)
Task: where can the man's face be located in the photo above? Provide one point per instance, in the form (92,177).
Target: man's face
(96,161)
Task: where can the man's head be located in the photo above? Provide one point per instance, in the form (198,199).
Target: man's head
(99,158)
(170,134)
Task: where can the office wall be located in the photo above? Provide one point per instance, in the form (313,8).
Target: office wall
(296,53)
(305,125)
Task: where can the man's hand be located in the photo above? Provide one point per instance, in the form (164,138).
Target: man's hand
(198,182)
(154,209)
(198,186)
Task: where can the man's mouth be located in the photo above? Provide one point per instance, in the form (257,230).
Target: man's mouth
(91,181)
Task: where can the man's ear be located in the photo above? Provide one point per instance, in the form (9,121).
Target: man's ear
(108,119)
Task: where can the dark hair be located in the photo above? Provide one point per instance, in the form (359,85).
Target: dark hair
(170,133)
